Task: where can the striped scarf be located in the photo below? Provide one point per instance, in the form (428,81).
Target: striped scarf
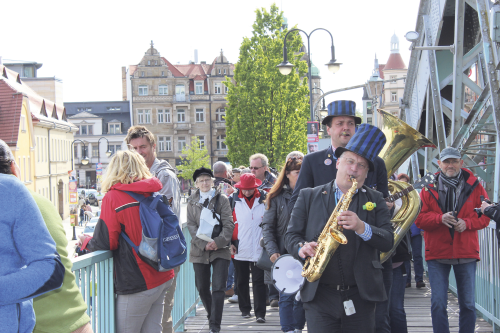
(454,185)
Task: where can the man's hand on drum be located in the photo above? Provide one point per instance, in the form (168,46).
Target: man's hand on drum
(308,250)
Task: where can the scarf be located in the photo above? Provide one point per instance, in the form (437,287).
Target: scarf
(454,187)
(206,196)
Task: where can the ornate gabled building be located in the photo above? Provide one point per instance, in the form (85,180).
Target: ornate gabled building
(395,68)
(177,102)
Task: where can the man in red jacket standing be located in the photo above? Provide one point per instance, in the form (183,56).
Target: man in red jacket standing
(451,224)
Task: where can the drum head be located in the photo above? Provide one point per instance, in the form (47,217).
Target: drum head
(286,273)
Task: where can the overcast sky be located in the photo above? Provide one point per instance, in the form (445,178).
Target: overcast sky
(86,44)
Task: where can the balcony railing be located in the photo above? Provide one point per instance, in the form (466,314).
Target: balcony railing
(181,98)
(153,99)
(219,124)
(182,126)
(199,97)
(94,277)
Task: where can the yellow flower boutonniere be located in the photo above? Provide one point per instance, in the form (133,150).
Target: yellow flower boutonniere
(369,206)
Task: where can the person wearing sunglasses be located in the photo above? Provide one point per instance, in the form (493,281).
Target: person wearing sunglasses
(259,167)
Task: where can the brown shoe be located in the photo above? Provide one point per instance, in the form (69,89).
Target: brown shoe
(230,292)
(408,284)
(420,284)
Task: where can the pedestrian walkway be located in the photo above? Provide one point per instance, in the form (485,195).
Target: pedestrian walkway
(417,307)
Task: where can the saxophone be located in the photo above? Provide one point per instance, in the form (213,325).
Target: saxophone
(329,239)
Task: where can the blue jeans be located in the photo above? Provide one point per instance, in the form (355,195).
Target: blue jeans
(465,274)
(397,302)
(292,314)
(382,320)
(230,276)
(418,262)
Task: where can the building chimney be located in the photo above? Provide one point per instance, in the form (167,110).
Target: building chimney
(195,56)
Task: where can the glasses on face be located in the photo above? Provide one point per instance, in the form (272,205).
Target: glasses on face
(350,161)
(255,168)
(201,181)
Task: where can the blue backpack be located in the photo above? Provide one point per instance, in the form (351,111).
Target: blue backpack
(163,245)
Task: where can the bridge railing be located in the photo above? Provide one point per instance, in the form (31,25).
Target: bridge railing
(94,277)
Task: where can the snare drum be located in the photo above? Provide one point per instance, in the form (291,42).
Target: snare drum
(286,273)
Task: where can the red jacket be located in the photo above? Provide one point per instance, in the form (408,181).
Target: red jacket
(438,241)
(119,211)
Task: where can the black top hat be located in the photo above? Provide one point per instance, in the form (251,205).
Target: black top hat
(367,142)
(202,171)
(341,108)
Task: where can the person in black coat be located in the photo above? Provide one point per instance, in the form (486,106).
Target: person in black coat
(319,168)
(354,273)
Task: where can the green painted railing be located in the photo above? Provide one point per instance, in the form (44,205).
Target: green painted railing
(94,272)
(487,276)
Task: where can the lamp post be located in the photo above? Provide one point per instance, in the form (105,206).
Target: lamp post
(374,89)
(285,67)
(85,161)
(108,152)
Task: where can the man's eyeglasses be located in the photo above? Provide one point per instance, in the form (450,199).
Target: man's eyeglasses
(255,168)
(350,161)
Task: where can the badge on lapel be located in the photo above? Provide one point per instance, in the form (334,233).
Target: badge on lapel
(369,206)
(328,161)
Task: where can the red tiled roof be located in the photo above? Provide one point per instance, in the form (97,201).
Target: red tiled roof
(173,69)
(395,62)
(11,104)
(380,70)
(132,69)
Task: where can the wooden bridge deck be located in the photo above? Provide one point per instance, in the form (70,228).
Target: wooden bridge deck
(417,307)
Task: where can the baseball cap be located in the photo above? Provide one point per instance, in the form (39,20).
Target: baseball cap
(449,152)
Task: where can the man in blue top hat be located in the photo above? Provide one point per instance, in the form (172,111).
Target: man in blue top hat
(319,168)
(344,298)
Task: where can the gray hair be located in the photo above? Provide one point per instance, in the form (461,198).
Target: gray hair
(6,158)
(263,159)
(220,168)
(296,154)
(246,170)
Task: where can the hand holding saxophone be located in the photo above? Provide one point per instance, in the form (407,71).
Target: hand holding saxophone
(308,250)
(350,221)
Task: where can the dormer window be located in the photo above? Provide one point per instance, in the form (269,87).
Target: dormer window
(149,62)
(114,128)
(199,88)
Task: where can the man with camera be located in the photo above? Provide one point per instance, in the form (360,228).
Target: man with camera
(450,227)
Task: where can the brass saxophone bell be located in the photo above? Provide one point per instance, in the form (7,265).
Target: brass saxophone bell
(338,236)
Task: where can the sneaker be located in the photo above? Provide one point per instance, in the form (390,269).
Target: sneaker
(230,292)
(420,284)
(233,299)
(274,303)
(246,315)
(261,320)
(297,331)
(408,284)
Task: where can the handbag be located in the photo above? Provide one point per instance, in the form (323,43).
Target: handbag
(264,262)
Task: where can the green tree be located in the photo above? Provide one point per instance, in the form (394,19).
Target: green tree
(267,112)
(195,158)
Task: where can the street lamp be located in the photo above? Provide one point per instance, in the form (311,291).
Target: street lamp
(285,67)
(108,152)
(374,88)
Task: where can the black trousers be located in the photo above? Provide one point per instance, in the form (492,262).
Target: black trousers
(212,301)
(243,269)
(326,314)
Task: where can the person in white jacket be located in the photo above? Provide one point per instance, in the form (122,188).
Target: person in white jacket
(249,208)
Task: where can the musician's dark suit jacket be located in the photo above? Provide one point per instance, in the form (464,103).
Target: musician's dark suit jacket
(314,172)
(308,219)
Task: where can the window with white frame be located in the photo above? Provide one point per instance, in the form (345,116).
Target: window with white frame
(113,148)
(114,128)
(181,115)
(393,77)
(226,89)
(86,130)
(220,114)
(394,96)
(200,115)
(163,89)
(162,73)
(143,90)
(95,151)
(181,143)
(142,74)
(149,62)
(165,143)
(224,71)
(217,88)
(163,116)
(144,116)
(113,108)
(84,110)
(199,88)
(201,139)
(23,123)
(221,145)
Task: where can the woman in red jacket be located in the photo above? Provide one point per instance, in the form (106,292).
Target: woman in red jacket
(139,287)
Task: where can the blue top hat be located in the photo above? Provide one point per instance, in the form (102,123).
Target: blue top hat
(341,108)
(367,142)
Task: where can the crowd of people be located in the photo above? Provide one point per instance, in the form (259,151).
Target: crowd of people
(241,221)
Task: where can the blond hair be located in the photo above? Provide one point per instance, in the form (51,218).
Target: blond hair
(125,167)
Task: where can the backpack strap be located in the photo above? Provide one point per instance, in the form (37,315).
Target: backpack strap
(135,247)
(140,198)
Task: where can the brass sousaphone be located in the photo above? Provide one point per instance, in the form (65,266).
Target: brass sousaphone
(402,141)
